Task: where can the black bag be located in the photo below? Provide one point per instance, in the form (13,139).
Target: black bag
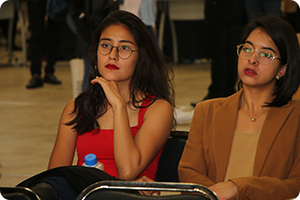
(79,177)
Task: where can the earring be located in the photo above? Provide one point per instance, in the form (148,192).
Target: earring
(277,77)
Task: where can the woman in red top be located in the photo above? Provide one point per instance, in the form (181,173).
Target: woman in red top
(126,114)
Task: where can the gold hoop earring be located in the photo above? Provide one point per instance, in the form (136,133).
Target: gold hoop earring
(277,77)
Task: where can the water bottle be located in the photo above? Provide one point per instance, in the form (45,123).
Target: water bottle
(90,160)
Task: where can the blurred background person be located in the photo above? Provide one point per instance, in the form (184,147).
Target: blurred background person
(223,22)
(254,8)
(145,10)
(38,20)
(86,16)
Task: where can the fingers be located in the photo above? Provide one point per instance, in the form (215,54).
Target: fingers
(110,89)
(149,193)
(106,85)
(146,192)
(99,80)
(95,80)
(144,179)
(224,190)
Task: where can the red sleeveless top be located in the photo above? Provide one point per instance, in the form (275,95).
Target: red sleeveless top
(101,144)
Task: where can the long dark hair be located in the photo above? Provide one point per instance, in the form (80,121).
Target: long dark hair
(151,75)
(285,39)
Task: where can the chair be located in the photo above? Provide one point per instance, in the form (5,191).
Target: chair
(18,193)
(120,190)
(170,157)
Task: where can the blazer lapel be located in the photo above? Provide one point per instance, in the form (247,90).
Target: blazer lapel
(273,122)
(225,121)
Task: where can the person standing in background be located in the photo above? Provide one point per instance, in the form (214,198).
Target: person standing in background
(254,8)
(4,25)
(87,15)
(223,22)
(37,20)
(145,10)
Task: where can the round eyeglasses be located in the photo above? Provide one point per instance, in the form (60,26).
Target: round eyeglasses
(124,51)
(264,56)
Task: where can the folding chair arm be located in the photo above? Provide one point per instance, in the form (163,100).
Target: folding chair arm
(19,190)
(150,186)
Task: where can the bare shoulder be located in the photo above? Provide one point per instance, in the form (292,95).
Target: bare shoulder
(67,113)
(70,106)
(160,107)
(161,104)
(158,120)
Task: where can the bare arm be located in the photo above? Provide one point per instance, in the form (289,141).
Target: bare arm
(133,155)
(64,147)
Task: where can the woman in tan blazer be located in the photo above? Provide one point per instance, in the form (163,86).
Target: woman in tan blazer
(247,146)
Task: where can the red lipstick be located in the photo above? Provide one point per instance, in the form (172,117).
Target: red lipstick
(111,67)
(250,72)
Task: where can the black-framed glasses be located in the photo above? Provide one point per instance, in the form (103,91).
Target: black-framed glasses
(263,56)
(124,51)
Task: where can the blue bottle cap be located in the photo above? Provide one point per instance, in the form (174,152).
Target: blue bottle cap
(90,160)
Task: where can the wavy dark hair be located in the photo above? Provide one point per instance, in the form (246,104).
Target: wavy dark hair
(285,39)
(151,75)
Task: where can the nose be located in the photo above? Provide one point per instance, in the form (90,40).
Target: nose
(253,58)
(114,53)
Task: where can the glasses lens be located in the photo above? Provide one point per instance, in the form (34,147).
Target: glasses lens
(125,51)
(245,51)
(104,48)
(265,56)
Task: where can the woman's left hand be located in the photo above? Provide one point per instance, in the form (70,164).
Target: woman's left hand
(146,192)
(225,190)
(111,91)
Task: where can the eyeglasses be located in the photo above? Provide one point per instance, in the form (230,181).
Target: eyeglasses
(264,56)
(124,51)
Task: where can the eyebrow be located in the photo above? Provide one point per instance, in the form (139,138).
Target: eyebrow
(268,48)
(126,41)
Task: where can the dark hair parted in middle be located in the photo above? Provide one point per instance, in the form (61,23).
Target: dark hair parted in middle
(285,39)
(151,75)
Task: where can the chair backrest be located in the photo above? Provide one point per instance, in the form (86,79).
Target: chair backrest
(170,157)
(18,193)
(122,190)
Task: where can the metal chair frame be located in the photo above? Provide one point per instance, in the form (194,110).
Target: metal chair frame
(22,190)
(148,186)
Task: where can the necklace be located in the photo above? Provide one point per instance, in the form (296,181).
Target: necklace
(252,118)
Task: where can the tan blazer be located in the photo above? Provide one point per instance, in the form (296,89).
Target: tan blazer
(276,173)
